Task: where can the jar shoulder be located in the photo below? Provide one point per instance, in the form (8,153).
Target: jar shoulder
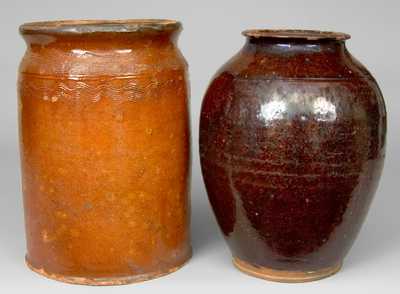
(297,65)
(242,94)
(99,62)
(342,78)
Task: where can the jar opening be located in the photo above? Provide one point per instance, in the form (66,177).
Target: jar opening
(296,34)
(99,26)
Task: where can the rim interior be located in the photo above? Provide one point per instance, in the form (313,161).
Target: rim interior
(100,26)
(296,34)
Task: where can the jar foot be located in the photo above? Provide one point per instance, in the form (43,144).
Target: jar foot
(285,276)
(107,281)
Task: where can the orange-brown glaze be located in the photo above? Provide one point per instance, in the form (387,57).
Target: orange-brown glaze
(105,152)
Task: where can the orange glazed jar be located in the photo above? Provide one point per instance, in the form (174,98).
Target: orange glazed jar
(105,152)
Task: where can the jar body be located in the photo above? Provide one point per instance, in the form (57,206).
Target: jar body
(292,138)
(104,139)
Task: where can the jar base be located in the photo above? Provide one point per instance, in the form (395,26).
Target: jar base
(285,276)
(112,281)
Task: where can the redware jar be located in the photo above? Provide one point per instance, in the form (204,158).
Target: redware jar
(104,132)
(292,144)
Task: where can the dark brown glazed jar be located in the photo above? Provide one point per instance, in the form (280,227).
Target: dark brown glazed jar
(292,144)
(104,136)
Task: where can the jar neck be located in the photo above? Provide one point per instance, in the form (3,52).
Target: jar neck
(107,34)
(290,46)
(109,40)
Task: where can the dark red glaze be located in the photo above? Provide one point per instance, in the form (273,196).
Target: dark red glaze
(292,144)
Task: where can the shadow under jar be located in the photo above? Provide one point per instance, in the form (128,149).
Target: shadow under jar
(292,144)
(104,140)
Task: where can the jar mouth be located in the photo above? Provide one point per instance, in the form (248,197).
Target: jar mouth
(296,34)
(99,26)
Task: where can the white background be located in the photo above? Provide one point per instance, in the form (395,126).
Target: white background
(212,35)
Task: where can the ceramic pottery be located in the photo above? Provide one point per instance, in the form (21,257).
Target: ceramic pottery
(292,143)
(104,139)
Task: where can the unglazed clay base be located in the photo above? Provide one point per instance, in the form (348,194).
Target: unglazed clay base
(284,276)
(104,281)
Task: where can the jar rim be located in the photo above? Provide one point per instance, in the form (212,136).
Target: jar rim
(296,34)
(88,26)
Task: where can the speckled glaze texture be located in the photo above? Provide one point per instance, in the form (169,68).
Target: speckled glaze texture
(104,140)
(292,144)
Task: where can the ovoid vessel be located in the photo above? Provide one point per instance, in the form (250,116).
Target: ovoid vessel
(292,143)
(104,133)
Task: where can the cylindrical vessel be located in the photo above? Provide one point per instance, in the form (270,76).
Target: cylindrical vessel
(104,140)
(292,144)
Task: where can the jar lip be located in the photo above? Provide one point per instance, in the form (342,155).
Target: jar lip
(88,26)
(296,34)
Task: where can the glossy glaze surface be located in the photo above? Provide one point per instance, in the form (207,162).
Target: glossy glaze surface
(104,130)
(292,143)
